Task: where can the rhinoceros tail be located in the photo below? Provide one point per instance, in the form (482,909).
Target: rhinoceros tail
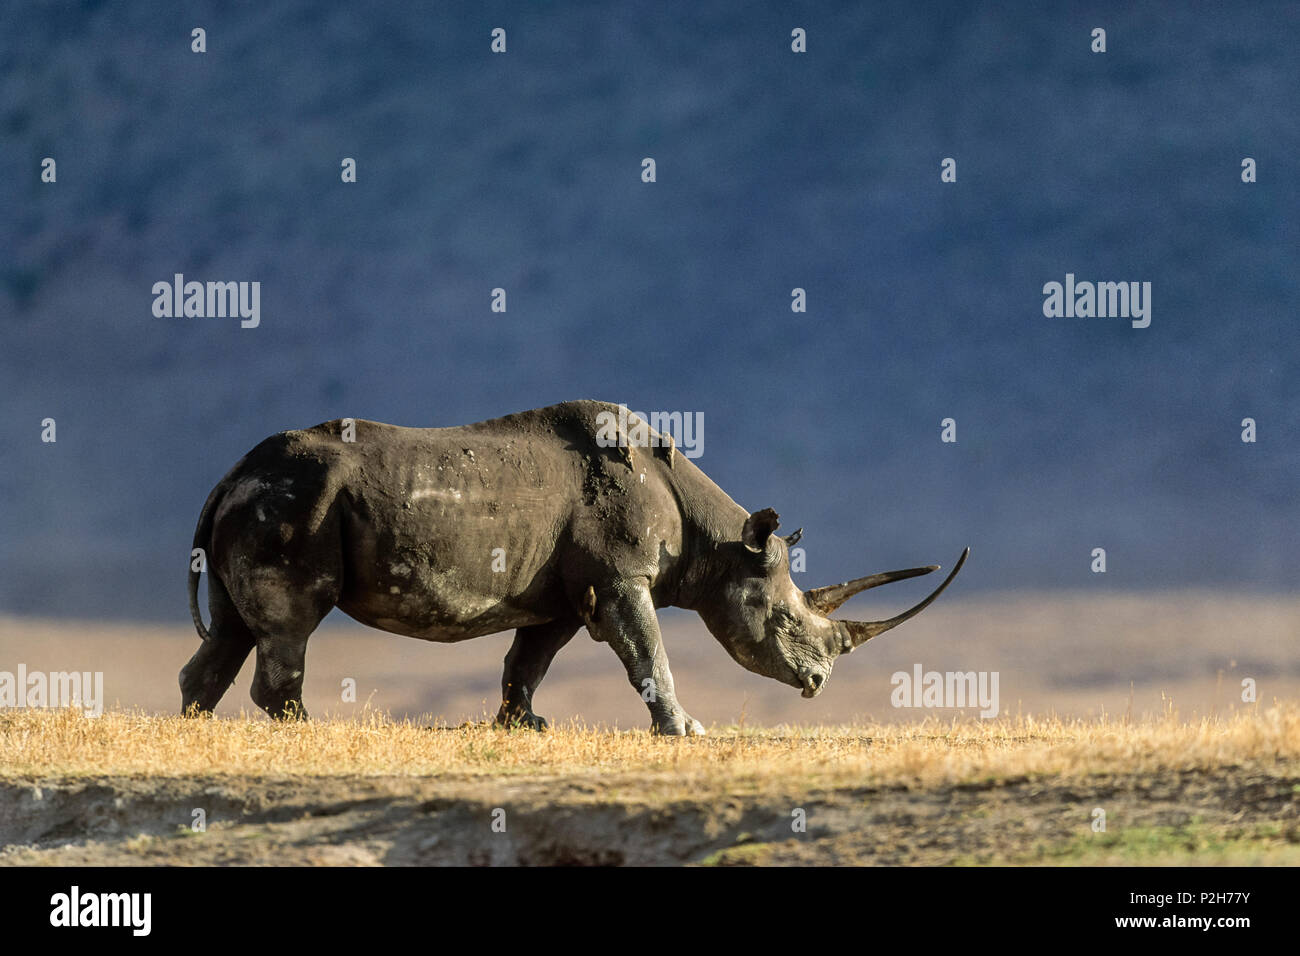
(202,539)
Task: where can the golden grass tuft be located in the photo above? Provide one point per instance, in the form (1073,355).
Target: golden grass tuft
(61,744)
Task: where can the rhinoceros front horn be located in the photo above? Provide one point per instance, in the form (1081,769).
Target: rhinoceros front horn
(860,632)
(827,599)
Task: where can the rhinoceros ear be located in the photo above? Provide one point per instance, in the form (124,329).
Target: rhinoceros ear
(758,528)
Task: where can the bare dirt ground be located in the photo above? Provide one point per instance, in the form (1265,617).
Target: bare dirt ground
(1194,817)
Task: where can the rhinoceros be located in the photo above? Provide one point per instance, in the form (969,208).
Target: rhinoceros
(543,521)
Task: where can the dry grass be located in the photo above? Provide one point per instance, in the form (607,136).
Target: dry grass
(47,744)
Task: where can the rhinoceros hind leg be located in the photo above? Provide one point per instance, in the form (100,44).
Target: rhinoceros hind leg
(529,658)
(215,665)
(277,682)
(282,615)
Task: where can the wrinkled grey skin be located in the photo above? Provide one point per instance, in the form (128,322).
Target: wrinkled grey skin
(400,527)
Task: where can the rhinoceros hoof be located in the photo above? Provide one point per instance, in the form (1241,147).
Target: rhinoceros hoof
(530,721)
(684,726)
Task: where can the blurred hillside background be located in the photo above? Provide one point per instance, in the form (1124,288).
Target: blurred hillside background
(775,171)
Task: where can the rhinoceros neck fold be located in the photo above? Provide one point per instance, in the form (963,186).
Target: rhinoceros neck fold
(710,520)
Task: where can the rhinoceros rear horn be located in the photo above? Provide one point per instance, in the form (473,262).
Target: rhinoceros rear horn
(827,599)
(862,631)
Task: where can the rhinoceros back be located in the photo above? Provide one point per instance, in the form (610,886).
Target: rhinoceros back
(454,532)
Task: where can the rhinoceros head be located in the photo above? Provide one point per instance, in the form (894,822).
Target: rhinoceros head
(772,628)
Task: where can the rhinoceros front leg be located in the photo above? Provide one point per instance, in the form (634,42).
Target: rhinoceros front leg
(625,619)
(526,664)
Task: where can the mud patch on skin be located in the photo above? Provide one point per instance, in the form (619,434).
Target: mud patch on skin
(597,482)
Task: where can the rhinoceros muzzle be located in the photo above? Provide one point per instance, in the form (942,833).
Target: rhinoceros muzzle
(812,682)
